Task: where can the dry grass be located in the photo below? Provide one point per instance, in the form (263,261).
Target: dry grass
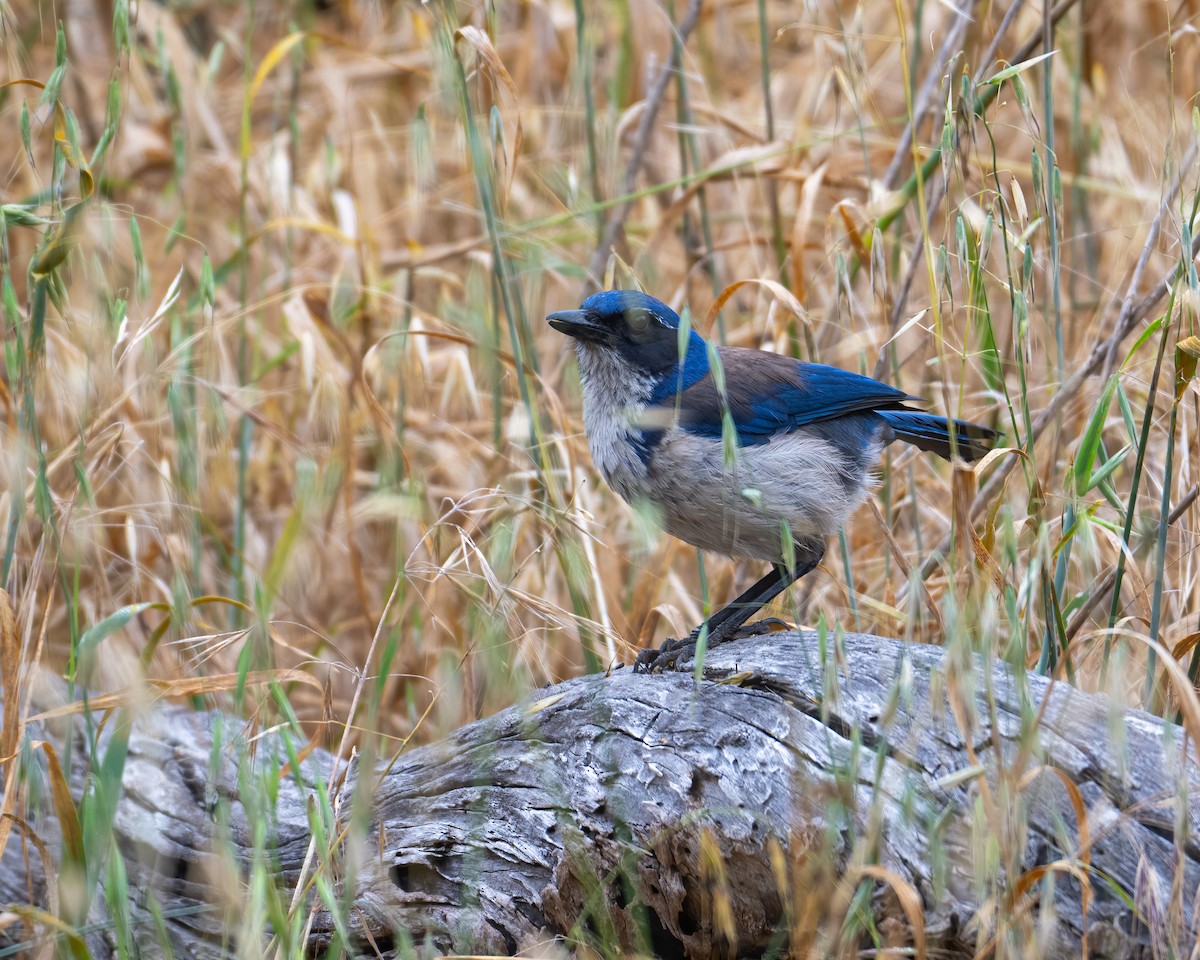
(283,364)
(357,335)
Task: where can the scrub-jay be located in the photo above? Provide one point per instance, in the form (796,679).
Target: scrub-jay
(762,458)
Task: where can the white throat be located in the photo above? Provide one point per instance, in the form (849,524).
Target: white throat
(614,397)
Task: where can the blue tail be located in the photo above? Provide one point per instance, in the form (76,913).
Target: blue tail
(931,432)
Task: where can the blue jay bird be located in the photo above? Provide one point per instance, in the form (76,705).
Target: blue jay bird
(807,438)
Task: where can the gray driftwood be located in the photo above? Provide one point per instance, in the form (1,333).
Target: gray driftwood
(687,819)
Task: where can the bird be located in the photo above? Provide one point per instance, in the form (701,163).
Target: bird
(742,452)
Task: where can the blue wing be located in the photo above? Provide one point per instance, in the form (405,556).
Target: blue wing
(767,394)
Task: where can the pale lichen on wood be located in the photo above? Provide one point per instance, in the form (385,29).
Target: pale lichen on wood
(716,818)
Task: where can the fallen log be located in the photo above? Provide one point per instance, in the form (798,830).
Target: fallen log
(812,796)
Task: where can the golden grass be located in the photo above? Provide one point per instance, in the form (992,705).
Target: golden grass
(357,332)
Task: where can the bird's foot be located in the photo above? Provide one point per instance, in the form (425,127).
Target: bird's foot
(667,656)
(661,659)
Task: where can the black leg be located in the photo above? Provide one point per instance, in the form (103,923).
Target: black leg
(728,622)
(734,614)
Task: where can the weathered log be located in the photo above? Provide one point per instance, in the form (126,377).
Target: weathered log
(733,816)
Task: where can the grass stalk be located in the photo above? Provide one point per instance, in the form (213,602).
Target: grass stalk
(245,427)
(1160,561)
(689,161)
(1054,188)
(1135,484)
(764,59)
(585,52)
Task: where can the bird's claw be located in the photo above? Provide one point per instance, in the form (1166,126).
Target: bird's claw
(667,656)
(652,660)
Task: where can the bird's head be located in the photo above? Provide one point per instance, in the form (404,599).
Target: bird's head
(637,328)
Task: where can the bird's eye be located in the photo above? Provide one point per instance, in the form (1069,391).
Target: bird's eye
(639,321)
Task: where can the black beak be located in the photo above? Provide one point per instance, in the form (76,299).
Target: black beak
(580,325)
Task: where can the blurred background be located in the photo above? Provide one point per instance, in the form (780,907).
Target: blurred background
(278,404)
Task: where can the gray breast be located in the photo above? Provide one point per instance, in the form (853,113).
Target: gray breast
(799,480)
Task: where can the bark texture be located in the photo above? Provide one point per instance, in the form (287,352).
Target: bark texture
(745,813)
